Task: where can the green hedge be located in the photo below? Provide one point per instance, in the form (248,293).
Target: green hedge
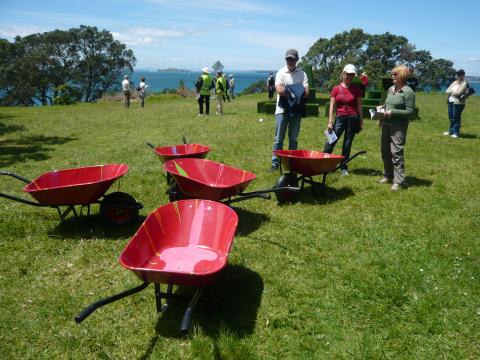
(373,94)
(322,101)
(261,105)
(370,102)
(270,108)
(310,109)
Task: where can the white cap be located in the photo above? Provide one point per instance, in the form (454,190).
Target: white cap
(125,77)
(350,69)
(206,70)
(231,75)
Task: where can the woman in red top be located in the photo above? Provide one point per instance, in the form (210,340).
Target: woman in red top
(346,98)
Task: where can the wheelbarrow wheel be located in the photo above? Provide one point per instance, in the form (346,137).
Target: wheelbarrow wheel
(119,208)
(174,193)
(286,180)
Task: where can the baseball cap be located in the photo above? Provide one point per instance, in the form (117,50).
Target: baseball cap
(350,69)
(291,54)
(206,70)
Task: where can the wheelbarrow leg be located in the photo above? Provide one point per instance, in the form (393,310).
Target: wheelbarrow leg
(187,317)
(158,297)
(168,298)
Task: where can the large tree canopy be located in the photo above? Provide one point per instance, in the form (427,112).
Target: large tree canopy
(81,64)
(376,55)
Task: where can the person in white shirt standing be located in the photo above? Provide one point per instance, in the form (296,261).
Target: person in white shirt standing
(142,88)
(126,91)
(287,77)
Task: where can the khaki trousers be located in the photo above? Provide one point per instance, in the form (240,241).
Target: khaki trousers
(394,136)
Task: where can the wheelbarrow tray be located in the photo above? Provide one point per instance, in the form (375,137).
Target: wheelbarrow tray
(207,179)
(183,243)
(308,162)
(166,153)
(77,186)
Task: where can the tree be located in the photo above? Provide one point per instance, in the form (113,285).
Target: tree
(79,64)
(374,54)
(102,61)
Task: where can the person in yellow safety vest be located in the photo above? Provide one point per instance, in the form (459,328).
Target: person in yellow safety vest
(221,88)
(203,85)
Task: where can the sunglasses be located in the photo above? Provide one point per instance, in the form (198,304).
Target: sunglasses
(348,74)
(290,59)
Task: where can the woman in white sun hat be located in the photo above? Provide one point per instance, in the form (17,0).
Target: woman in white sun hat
(346,99)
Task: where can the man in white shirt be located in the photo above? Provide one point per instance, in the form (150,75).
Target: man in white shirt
(142,88)
(126,91)
(286,77)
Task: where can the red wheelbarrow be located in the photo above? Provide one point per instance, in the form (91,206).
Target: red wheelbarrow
(166,153)
(81,186)
(211,180)
(306,163)
(181,243)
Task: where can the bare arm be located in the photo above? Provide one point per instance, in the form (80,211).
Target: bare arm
(330,113)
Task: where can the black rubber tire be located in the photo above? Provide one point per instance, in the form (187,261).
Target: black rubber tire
(286,180)
(174,193)
(119,209)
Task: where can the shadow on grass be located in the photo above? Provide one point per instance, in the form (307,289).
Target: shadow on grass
(414,181)
(315,196)
(233,302)
(367,172)
(29,148)
(249,221)
(468,136)
(92,227)
(5,129)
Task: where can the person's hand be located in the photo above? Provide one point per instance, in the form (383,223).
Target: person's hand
(388,114)
(330,126)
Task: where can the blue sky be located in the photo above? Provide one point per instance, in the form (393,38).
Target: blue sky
(249,34)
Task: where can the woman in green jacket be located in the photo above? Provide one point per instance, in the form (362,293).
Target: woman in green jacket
(399,109)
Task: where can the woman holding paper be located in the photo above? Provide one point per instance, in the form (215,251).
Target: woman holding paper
(399,108)
(346,99)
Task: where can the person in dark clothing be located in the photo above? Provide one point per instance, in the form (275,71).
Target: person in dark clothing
(412,80)
(204,85)
(271,86)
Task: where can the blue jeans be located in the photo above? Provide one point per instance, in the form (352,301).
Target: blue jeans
(282,122)
(343,124)
(455,117)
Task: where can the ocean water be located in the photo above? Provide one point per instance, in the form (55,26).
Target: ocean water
(158,81)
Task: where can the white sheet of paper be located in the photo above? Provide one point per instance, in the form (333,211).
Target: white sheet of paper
(376,114)
(331,136)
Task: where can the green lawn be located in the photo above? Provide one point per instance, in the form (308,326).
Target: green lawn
(359,273)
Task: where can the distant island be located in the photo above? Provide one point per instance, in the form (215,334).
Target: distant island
(472,78)
(174,70)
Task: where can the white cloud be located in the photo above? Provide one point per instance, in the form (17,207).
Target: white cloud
(277,41)
(474,59)
(216,5)
(150,35)
(9,32)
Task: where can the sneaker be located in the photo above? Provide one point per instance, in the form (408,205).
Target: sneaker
(454,136)
(385,180)
(344,172)
(273,168)
(396,187)
(446,133)
(200,114)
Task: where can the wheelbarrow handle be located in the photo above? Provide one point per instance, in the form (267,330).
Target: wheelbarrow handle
(349,159)
(150,145)
(274,190)
(260,194)
(91,308)
(184,139)
(18,177)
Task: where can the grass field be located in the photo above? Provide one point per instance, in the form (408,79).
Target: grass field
(360,273)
